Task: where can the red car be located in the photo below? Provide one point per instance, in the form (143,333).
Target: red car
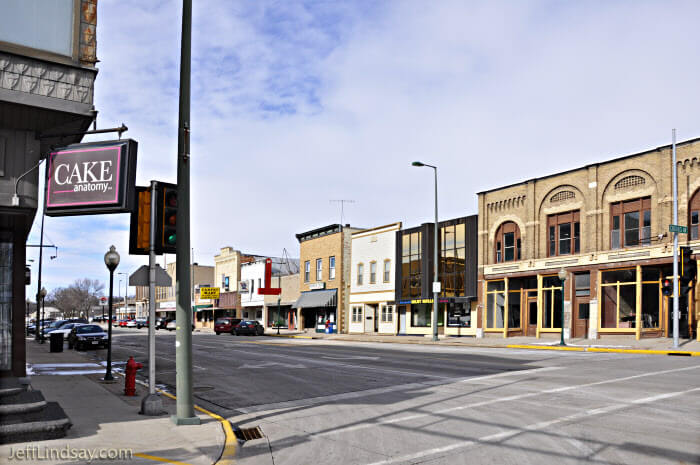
(122,323)
(225,325)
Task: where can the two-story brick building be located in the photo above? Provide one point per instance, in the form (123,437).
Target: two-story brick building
(324,278)
(606,225)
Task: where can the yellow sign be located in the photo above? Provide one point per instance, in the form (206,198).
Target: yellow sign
(208,292)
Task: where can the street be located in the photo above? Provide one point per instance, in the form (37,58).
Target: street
(369,403)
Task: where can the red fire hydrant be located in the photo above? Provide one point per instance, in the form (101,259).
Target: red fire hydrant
(130,383)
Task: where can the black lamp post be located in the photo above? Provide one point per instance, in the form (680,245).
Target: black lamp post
(562,277)
(40,324)
(112,261)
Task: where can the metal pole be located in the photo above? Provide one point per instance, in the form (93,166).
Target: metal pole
(152,404)
(435,280)
(279,299)
(43,314)
(675,244)
(108,372)
(562,343)
(183,337)
(39,327)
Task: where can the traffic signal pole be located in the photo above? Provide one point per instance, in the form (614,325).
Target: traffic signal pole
(183,334)
(676,287)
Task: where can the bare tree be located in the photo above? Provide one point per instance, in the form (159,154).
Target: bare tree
(77,299)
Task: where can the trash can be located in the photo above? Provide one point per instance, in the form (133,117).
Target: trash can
(56,342)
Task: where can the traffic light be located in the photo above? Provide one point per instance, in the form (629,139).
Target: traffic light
(687,269)
(667,287)
(140,228)
(166,234)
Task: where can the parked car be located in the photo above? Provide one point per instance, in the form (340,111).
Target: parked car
(84,336)
(116,322)
(122,323)
(141,322)
(162,322)
(172,325)
(53,326)
(225,324)
(252,327)
(131,324)
(66,328)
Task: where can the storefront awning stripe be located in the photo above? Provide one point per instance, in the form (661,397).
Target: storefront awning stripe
(199,308)
(320,298)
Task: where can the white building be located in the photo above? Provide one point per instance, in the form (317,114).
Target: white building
(372,288)
(253,278)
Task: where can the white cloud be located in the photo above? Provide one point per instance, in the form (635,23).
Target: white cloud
(493,93)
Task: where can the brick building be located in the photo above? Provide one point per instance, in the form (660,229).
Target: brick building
(606,225)
(324,277)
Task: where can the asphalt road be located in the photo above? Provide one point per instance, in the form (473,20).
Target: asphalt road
(360,403)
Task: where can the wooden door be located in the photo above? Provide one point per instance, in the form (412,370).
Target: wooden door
(581,317)
(531,317)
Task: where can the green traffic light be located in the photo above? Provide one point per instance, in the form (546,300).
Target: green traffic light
(172,239)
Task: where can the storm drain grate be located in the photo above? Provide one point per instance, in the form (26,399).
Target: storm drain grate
(247,434)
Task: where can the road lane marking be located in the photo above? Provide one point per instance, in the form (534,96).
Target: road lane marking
(499,400)
(371,392)
(507,434)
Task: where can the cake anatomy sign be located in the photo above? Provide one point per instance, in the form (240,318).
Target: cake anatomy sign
(91,178)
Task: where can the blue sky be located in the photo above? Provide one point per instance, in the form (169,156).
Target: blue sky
(298,103)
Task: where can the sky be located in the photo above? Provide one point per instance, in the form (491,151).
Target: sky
(298,103)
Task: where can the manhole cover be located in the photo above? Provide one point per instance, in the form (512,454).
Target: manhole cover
(246,434)
(202,388)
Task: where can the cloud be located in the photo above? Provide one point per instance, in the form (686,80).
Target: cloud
(298,103)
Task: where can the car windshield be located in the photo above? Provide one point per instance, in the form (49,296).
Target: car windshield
(56,324)
(88,329)
(68,326)
(222,321)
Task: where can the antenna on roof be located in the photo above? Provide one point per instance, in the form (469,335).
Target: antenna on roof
(342,203)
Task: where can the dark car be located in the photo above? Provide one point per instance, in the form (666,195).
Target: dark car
(162,322)
(254,328)
(225,324)
(55,325)
(87,336)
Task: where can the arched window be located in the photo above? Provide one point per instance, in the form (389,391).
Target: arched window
(694,216)
(507,243)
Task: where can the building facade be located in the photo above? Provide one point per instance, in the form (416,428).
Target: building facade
(607,226)
(324,278)
(457,273)
(372,281)
(47,75)
(227,273)
(279,308)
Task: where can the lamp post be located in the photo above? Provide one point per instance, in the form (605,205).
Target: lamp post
(126,291)
(562,277)
(436,282)
(112,261)
(42,294)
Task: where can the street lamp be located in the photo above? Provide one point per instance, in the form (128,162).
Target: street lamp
(40,323)
(112,261)
(562,277)
(126,291)
(436,282)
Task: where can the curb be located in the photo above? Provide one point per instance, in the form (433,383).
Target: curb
(608,350)
(291,336)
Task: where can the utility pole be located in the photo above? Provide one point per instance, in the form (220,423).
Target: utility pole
(676,289)
(183,315)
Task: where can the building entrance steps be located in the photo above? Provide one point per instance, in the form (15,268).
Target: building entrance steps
(103,419)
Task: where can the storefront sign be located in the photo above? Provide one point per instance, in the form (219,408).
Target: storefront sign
(92,178)
(317,286)
(209,292)
(243,286)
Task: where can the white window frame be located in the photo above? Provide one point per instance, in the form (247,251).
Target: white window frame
(360,272)
(331,267)
(307,271)
(319,269)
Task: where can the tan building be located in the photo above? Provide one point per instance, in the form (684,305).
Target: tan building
(202,276)
(324,278)
(607,226)
(227,275)
(278,308)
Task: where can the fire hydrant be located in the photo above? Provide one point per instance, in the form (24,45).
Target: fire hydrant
(130,383)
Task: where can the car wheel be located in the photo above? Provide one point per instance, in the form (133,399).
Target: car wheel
(217,333)
(70,345)
(78,346)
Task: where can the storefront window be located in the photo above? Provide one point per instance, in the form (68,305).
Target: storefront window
(420,315)
(619,288)
(459,315)
(495,304)
(387,313)
(551,302)
(357,314)
(452,260)
(651,297)
(583,284)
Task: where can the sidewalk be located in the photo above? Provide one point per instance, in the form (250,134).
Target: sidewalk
(622,343)
(105,420)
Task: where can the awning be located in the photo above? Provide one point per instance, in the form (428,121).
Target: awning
(199,308)
(320,298)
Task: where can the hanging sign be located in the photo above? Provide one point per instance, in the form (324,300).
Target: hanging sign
(92,178)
